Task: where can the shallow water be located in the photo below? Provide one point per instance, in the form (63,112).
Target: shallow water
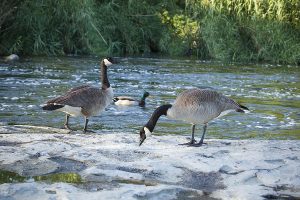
(272,93)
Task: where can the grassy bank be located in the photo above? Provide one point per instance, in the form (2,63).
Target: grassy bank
(226,30)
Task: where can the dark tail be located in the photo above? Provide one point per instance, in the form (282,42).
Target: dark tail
(242,108)
(52,107)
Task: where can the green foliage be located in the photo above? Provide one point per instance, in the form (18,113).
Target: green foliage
(227,30)
(10,177)
(7,9)
(220,36)
(182,33)
(130,27)
(62,177)
(51,27)
(275,43)
(247,30)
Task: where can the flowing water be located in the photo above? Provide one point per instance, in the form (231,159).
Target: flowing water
(271,92)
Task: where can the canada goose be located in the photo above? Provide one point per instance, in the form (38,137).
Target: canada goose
(128,101)
(196,106)
(84,100)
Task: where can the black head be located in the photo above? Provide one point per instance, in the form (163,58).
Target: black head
(146,94)
(142,135)
(115,99)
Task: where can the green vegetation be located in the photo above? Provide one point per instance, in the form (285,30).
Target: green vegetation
(226,30)
(12,177)
(61,177)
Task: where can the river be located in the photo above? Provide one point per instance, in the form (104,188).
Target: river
(271,92)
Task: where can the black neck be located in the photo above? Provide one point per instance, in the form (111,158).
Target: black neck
(104,79)
(142,101)
(162,110)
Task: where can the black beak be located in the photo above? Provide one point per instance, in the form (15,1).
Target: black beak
(142,138)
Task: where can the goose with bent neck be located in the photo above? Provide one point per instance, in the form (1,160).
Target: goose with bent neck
(84,100)
(195,106)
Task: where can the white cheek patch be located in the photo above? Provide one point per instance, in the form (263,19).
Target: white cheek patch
(147,132)
(106,62)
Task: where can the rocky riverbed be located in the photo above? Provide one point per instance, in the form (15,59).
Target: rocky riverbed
(49,163)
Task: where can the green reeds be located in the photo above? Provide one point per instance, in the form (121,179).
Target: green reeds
(247,30)
(226,30)
(51,27)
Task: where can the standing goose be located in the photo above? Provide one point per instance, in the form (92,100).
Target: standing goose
(128,101)
(195,106)
(84,100)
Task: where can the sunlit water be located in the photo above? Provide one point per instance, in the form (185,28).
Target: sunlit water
(272,93)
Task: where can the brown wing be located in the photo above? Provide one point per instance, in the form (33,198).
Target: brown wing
(213,99)
(84,97)
(58,99)
(79,87)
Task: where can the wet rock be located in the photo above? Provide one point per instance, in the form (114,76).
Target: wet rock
(68,165)
(280,196)
(7,143)
(275,161)
(36,155)
(225,169)
(132,170)
(226,143)
(293,158)
(50,191)
(11,58)
(32,167)
(111,166)
(25,129)
(207,182)
(173,193)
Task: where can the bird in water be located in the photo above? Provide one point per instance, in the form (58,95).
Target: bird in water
(85,100)
(195,106)
(129,101)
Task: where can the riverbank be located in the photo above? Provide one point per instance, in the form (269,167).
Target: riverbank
(244,31)
(113,166)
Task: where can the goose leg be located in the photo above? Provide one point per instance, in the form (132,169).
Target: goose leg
(193,137)
(85,126)
(66,125)
(202,138)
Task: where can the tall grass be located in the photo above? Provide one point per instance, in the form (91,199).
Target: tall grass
(51,27)
(7,10)
(247,30)
(130,27)
(226,30)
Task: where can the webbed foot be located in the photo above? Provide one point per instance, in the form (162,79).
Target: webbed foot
(193,141)
(199,144)
(88,131)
